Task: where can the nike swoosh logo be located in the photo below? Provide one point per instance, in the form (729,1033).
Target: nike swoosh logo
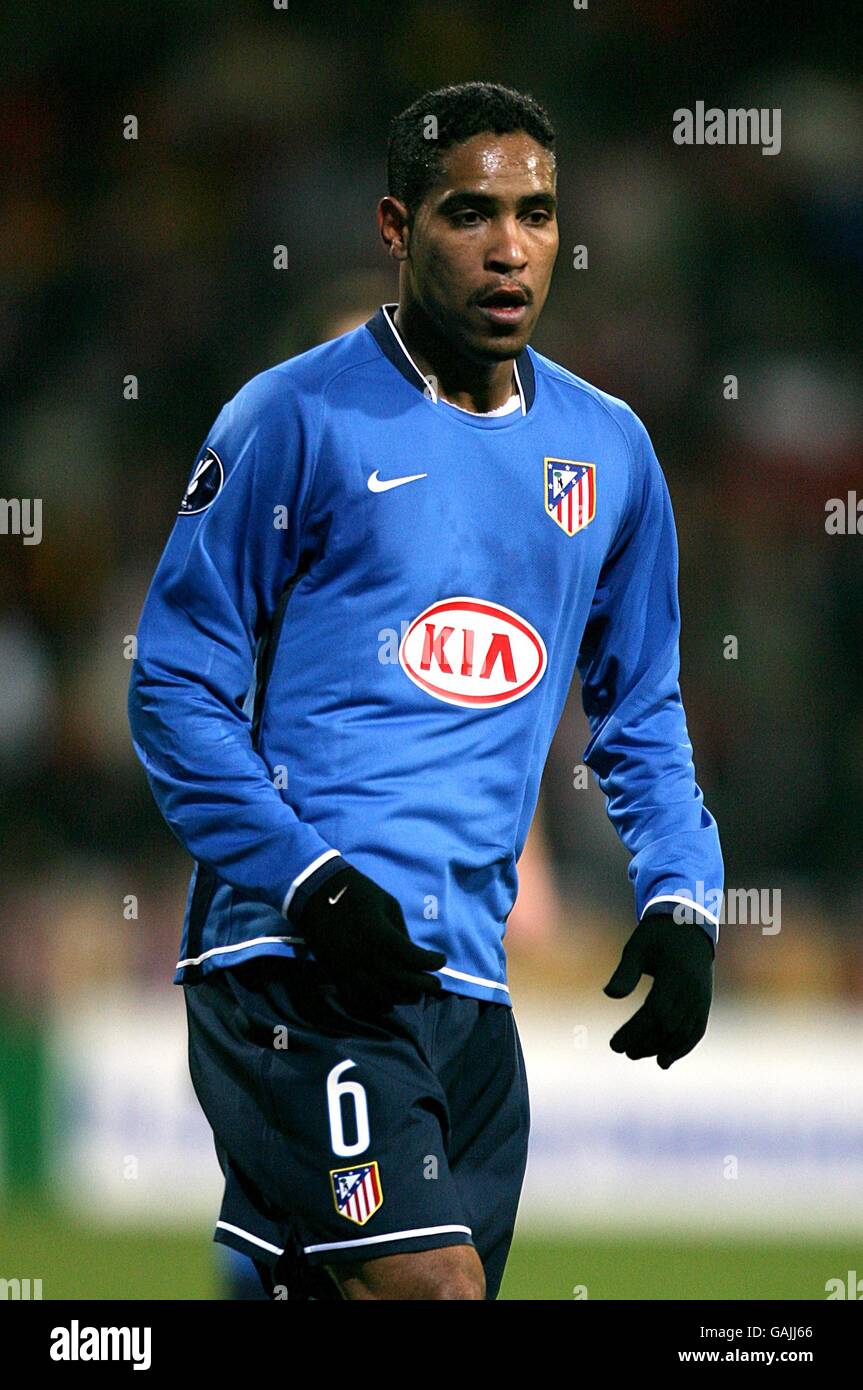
(334,900)
(377,484)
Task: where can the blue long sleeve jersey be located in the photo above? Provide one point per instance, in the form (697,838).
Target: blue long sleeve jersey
(360,637)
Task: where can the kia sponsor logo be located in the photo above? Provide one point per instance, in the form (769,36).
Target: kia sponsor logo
(470,652)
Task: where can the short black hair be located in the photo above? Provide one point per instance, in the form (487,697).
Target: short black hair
(460,111)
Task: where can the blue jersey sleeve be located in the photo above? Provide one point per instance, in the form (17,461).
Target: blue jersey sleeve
(238,542)
(639,749)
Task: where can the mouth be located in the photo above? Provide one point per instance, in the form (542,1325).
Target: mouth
(507,306)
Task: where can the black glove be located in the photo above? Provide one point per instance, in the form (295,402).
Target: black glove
(673,1017)
(358,934)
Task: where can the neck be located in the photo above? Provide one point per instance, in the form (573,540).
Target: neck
(475,386)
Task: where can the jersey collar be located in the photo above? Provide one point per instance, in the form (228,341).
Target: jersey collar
(391,344)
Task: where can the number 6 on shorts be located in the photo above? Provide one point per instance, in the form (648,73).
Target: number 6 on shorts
(337,1091)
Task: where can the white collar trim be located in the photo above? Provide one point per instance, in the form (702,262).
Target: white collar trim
(429,389)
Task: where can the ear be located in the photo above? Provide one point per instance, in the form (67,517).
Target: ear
(393,227)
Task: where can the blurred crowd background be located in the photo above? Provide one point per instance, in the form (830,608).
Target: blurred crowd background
(260,127)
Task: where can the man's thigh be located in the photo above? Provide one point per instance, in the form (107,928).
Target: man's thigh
(331,1131)
(489,1111)
(452,1273)
(476,1054)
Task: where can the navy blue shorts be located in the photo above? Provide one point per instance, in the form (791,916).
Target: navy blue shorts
(340,1138)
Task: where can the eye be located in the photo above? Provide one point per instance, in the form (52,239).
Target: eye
(538,216)
(468,218)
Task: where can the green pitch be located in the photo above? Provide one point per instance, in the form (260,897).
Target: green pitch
(78,1262)
(656,1267)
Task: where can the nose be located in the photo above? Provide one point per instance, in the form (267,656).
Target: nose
(506,249)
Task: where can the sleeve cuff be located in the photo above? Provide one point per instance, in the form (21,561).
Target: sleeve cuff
(311,878)
(686,910)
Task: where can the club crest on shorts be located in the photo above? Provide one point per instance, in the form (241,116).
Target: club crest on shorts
(357,1192)
(570,493)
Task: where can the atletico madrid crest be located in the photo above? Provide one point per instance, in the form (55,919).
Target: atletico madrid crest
(570,493)
(357,1192)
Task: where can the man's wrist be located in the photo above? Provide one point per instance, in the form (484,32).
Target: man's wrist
(684,911)
(658,915)
(309,881)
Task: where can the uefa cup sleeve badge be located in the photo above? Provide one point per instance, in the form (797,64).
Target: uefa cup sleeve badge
(204,485)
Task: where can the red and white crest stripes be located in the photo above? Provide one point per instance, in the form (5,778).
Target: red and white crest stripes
(357,1191)
(570,493)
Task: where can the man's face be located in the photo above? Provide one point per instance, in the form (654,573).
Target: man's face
(483,242)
